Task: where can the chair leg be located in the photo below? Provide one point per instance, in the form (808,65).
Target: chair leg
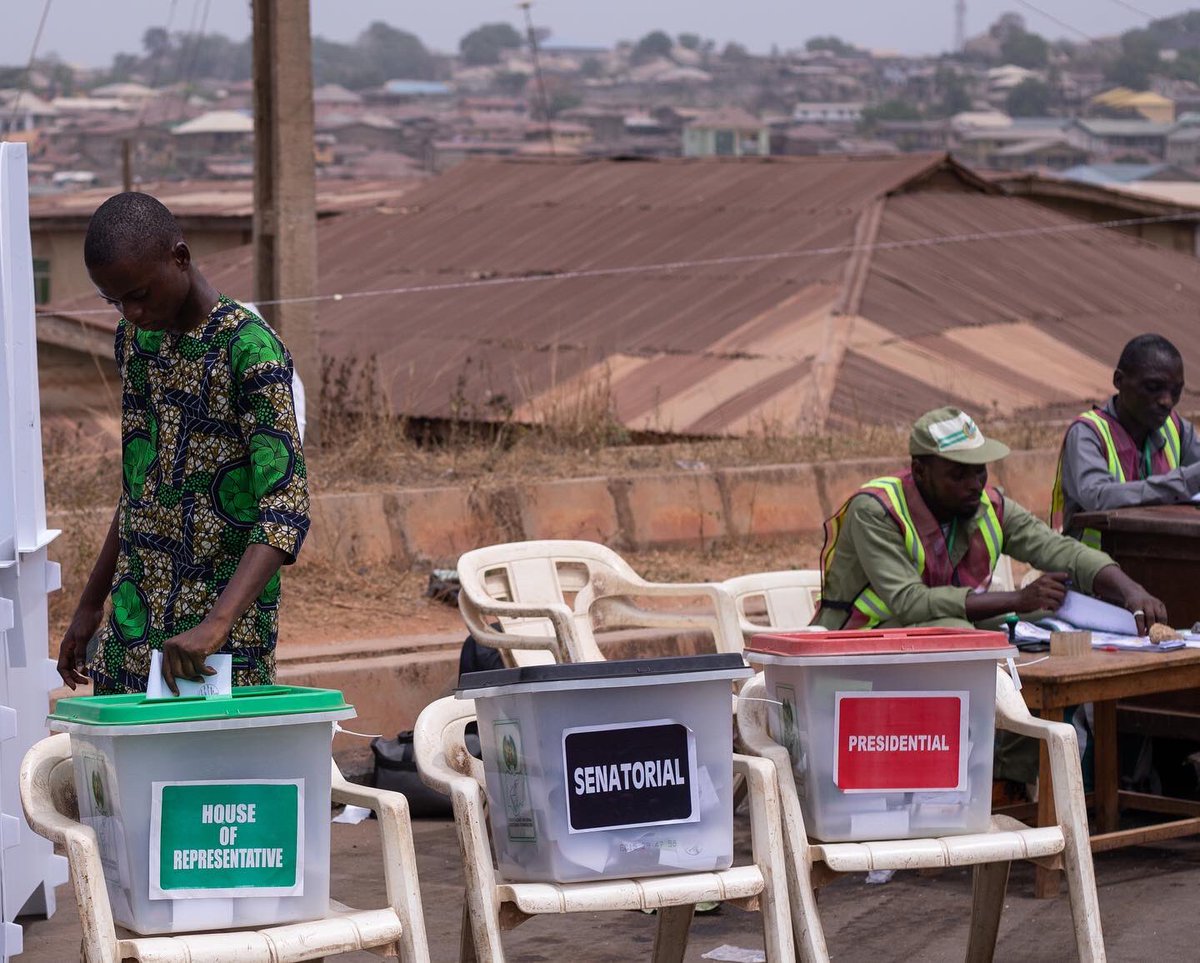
(1085,905)
(466,938)
(670,942)
(987,903)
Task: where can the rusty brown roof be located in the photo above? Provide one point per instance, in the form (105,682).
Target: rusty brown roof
(725,337)
(208,198)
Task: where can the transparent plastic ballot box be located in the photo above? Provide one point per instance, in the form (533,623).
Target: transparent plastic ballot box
(607,770)
(209,812)
(891,732)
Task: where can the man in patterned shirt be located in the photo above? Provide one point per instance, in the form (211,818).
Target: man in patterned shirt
(214,491)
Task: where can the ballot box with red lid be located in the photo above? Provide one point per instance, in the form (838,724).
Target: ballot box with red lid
(890,731)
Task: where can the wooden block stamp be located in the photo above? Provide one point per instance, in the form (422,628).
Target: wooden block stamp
(1070,643)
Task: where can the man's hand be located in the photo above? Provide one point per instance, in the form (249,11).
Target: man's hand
(73,647)
(1146,610)
(1045,594)
(184,655)
(1114,585)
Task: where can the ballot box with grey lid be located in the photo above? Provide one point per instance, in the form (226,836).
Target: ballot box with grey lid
(890,731)
(607,770)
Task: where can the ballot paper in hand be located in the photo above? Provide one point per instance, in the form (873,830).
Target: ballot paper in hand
(220,684)
(1085,612)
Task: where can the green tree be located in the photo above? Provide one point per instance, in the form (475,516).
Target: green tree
(1024,49)
(888,110)
(564,100)
(389,53)
(1030,98)
(953,97)
(835,45)
(156,42)
(655,44)
(485,45)
(512,82)
(689,41)
(1139,60)
(591,68)
(735,53)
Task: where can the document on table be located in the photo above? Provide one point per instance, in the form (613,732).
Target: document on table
(1126,643)
(1085,612)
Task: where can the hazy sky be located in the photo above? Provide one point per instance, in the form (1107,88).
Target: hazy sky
(90,31)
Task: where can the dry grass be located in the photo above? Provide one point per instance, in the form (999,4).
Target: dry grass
(366,447)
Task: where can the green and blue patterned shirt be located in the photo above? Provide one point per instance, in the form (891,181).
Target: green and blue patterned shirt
(211,463)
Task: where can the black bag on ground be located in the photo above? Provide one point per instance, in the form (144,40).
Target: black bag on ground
(396,770)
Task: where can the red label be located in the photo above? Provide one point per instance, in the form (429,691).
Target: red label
(899,742)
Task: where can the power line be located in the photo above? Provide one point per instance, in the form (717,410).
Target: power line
(1138,10)
(1058,20)
(192,57)
(669,266)
(37,39)
(157,69)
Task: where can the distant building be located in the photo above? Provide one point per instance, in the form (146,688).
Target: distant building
(1112,138)
(916,135)
(605,124)
(405,90)
(803,140)
(1135,104)
(847,114)
(729,132)
(1116,175)
(214,215)
(219,133)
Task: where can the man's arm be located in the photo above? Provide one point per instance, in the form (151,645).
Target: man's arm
(90,610)
(1029,539)
(1087,481)
(881,552)
(184,655)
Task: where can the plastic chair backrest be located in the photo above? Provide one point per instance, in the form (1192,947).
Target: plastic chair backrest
(775,600)
(536,573)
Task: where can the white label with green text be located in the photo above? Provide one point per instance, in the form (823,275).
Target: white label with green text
(229,838)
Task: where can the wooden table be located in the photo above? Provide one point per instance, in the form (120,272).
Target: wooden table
(1158,546)
(1050,686)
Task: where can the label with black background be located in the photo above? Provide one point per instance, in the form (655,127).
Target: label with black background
(630,775)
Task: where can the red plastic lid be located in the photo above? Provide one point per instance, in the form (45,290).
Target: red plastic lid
(877,642)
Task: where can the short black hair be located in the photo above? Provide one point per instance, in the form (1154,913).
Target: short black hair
(1143,348)
(131,224)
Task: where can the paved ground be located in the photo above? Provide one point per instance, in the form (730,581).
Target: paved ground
(1147,897)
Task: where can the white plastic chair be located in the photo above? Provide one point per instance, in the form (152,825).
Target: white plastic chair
(812,863)
(48,797)
(1002,576)
(775,601)
(494,906)
(551,596)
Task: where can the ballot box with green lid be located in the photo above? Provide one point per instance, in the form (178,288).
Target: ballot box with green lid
(890,731)
(605,770)
(209,813)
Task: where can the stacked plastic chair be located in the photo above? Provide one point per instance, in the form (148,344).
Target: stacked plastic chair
(29,870)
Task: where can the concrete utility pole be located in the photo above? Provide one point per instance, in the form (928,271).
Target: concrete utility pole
(285,235)
(960,25)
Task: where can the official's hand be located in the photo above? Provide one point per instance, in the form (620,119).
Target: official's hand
(184,655)
(1047,593)
(73,647)
(1146,610)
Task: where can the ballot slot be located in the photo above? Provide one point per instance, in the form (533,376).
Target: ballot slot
(890,732)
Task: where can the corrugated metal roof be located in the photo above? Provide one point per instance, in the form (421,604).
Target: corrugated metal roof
(730,341)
